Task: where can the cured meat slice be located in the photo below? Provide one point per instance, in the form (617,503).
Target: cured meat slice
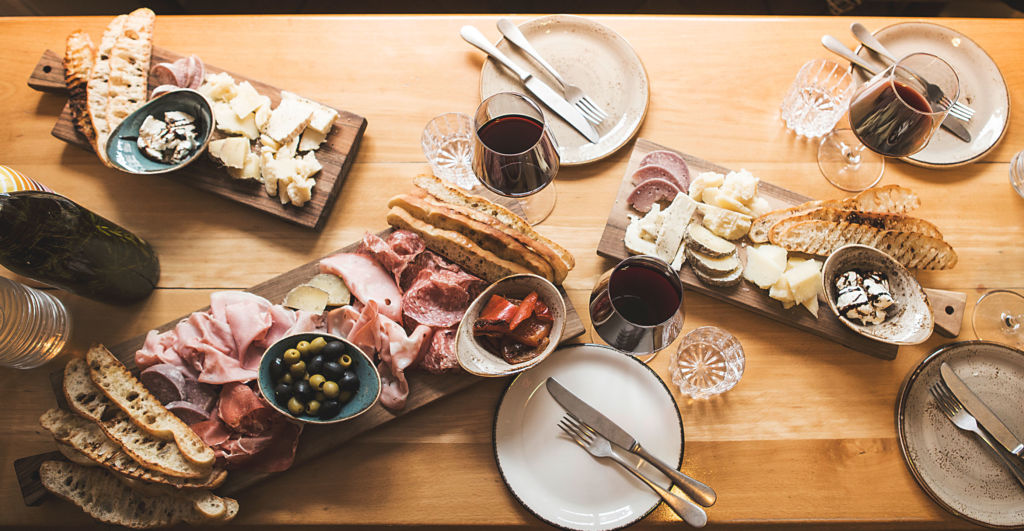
(440,357)
(188,412)
(437,298)
(651,191)
(244,411)
(672,162)
(394,388)
(645,173)
(165,381)
(187,72)
(213,432)
(367,281)
(406,243)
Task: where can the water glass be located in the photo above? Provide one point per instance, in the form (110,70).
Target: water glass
(818,98)
(1017,173)
(708,362)
(34,326)
(447,142)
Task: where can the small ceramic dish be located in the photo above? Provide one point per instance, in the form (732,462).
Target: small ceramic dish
(362,400)
(908,321)
(479,361)
(123,148)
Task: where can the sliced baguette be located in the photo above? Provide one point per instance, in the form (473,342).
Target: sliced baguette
(98,88)
(911,249)
(129,67)
(74,455)
(487,237)
(79,58)
(895,222)
(86,400)
(128,393)
(456,247)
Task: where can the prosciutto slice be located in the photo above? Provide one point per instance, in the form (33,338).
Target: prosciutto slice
(367,281)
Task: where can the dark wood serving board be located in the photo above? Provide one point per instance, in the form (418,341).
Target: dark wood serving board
(947,306)
(335,154)
(315,440)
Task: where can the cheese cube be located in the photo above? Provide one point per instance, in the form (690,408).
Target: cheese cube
(635,242)
(246,100)
(728,202)
(323,116)
(761,269)
(231,151)
(311,139)
(804,280)
(759,207)
(725,223)
(708,179)
(262,114)
(229,122)
(277,171)
(251,169)
(741,186)
(218,87)
(300,191)
(288,120)
(709,195)
(650,224)
(269,143)
(307,165)
(781,292)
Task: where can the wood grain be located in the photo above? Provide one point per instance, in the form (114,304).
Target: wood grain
(336,154)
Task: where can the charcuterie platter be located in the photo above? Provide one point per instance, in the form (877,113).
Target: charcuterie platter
(947,306)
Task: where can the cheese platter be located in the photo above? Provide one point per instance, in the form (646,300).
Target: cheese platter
(738,289)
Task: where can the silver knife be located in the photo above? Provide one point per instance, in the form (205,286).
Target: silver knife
(833,45)
(538,88)
(986,418)
(586,414)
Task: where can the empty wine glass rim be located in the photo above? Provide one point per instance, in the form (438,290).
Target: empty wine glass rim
(529,101)
(899,64)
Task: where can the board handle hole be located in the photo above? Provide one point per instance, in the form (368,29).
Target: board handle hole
(47,69)
(949,310)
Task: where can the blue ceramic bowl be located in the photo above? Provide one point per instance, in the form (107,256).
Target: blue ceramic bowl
(123,148)
(364,398)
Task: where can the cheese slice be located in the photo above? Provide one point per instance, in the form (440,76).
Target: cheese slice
(246,100)
(680,259)
(229,122)
(231,151)
(781,292)
(634,240)
(269,143)
(218,87)
(288,120)
(725,223)
(300,191)
(728,202)
(741,186)
(262,113)
(251,169)
(673,228)
(804,280)
(311,139)
(323,116)
(307,165)
(761,269)
(709,195)
(708,179)
(811,305)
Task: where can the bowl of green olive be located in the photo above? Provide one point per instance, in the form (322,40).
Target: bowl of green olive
(318,378)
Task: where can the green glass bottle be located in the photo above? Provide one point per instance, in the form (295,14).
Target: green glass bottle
(49,238)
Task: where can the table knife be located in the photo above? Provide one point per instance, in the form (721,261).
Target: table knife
(586,414)
(986,418)
(833,45)
(538,88)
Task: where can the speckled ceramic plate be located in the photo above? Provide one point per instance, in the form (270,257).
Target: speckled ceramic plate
(592,57)
(551,475)
(982,87)
(951,465)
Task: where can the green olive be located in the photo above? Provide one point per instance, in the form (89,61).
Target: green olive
(298,369)
(287,378)
(303,347)
(317,381)
(317,345)
(313,407)
(296,407)
(345,361)
(344,396)
(331,389)
(292,355)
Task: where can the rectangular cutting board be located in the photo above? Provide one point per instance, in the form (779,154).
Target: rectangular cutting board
(315,441)
(946,306)
(335,154)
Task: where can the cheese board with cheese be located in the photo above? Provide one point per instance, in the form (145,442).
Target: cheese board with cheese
(717,258)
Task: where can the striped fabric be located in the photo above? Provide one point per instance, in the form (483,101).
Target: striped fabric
(12,181)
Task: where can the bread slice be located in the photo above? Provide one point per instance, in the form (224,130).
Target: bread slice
(79,57)
(542,245)
(128,393)
(892,199)
(86,400)
(129,66)
(98,88)
(456,247)
(895,222)
(487,237)
(79,438)
(911,249)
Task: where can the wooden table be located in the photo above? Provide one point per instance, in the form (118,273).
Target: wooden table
(805,440)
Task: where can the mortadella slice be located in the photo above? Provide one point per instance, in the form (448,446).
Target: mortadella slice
(670,161)
(367,280)
(188,412)
(651,191)
(646,173)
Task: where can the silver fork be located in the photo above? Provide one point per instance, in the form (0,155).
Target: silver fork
(572,93)
(953,409)
(866,38)
(598,446)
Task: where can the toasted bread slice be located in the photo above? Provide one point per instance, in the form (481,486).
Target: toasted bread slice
(128,393)
(129,66)
(911,249)
(98,87)
(155,454)
(74,455)
(895,222)
(79,57)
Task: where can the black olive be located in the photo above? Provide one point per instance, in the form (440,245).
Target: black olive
(332,370)
(329,409)
(349,381)
(303,391)
(282,393)
(277,368)
(315,365)
(332,350)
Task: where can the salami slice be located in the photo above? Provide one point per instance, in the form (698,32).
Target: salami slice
(646,173)
(672,162)
(651,191)
(436,298)
(440,357)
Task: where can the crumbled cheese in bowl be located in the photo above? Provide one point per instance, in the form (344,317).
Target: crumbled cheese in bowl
(170,140)
(863,296)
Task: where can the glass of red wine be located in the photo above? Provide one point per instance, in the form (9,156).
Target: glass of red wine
(894,114)
(514,155)
(637,306)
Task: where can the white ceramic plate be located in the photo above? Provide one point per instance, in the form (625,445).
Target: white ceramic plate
(552,476)
(981,87)
(951,465)
(592,57)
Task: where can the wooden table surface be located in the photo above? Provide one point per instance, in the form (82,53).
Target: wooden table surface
(805,440)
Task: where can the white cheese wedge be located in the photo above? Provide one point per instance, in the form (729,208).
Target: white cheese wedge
(288,120)
(634,240)
(741,186)
(307,165)
(680,259)
(673,228)
(728,202)
(268,142)
(804,280)
(230,152)
(311,139)
(277,172)
(781,292)
(229,122)
(811,305)
(246,100)
(761,269)
(218,87)
(775,254)
(759,207)
(650,224)
(300,191)
(251,169)
(708,179)
(262,114)
(725,223)
(709,195)
(323,116)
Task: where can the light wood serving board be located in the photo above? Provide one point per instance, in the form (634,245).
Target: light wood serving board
(315,440)
(335,154)
(947,306)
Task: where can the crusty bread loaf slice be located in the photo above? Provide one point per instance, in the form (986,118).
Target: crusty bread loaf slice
(456,247)
(892,199)
(487,237)
(87,441)
(98,88)
(85,399)
(128,393)
(129,66)
(74,455)
(895,222)
(911,249)
(79,57)
(451,194)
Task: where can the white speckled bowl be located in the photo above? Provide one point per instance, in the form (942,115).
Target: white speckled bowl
(475,358)
(910,323)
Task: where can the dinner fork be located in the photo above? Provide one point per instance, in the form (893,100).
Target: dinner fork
(572,93)
(960,418)
(866,38)
(596,445)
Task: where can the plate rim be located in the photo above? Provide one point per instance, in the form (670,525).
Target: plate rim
(1006,90)
(643,70)
(901,400)
(501,471)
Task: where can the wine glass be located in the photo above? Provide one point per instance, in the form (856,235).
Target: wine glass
(513,153)
(637,306)
(999,317)
(894,114)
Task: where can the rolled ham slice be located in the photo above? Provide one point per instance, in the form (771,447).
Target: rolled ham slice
(651,191)
(367,281)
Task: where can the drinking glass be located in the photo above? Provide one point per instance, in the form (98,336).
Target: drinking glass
(447,142)
(708,362)
(894,114)
(513,153)
(818,98)
(637,306)
(1017,173)
(34,326)
(999,316)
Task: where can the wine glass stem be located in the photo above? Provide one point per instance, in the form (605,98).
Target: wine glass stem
(852,154)
(1010,322)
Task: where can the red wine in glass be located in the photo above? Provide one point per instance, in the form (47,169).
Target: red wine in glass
(643,294)
(892,119)
(514,156)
